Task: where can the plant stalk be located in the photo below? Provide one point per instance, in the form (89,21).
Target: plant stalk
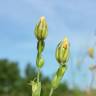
(38,75)
(51,92)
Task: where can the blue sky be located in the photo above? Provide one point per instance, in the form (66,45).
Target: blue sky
(75,19)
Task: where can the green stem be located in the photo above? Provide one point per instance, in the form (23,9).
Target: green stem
(38,75)
(51,92)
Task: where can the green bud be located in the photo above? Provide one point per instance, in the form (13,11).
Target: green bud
(41,29)
(40,46)
(61,71)
(40,62)
(62,51)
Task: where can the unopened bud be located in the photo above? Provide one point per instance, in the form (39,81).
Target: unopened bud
(40,46)
(62,51)
(41,29)
(91,52)
(40,62)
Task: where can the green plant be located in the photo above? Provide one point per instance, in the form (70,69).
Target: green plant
(62,55)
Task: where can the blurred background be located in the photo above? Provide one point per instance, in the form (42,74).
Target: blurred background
(75,19)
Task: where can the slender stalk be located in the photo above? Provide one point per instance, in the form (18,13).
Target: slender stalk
(38,75)
(51,92)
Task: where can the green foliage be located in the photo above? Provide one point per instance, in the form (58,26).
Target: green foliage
(9,74)
(13,84)
(30,72)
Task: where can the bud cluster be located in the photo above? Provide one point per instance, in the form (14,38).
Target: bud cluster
(61,54)
(41,31)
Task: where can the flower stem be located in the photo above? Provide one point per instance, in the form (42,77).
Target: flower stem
(38,75)
(51,92)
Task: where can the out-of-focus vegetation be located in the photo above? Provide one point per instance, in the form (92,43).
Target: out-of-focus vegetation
(13,84)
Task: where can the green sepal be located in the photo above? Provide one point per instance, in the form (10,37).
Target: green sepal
(36,88)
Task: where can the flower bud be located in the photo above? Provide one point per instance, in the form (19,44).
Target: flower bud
(91,52)
(62,51)
(40,62)
(41,29)
(40,46)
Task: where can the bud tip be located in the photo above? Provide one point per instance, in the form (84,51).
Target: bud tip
(42,18)
(65,42)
